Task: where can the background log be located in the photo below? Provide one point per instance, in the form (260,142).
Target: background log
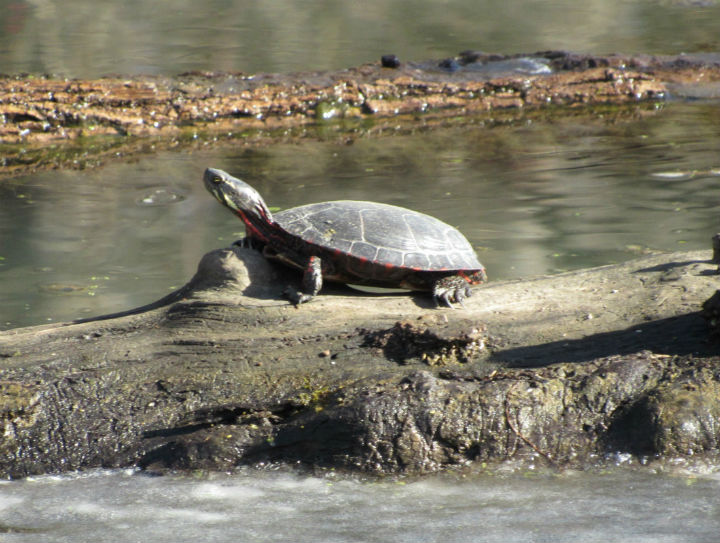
(49,122)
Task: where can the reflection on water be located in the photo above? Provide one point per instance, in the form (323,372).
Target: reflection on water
(619,506)
(532,198)
(169,37)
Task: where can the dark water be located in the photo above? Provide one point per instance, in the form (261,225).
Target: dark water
(533,198)
(88,38)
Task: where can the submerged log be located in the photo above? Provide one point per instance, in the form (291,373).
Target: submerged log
(37,111)
(563,369)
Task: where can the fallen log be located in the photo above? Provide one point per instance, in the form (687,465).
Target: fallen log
(98,115)
(561,369)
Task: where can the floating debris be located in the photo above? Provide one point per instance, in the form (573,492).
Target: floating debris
(389,61)
(62,289)
(674,176)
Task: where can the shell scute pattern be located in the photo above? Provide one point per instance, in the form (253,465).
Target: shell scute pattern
(381,233)
(440,262)
(361,249)
(416,261)
(392,257)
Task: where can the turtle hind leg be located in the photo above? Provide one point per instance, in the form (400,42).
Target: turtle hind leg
(311,283)
(451,289)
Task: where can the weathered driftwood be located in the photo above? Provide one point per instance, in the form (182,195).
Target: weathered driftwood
(225,372)
(36,111)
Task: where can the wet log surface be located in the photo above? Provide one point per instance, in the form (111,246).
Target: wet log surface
(39,111)
(560,369)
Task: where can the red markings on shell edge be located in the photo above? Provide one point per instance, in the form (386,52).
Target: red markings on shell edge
(473,278)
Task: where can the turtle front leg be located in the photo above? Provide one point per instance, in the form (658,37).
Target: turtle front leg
(311,283)
(451,289)
(248,242)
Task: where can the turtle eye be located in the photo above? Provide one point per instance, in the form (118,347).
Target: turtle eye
(217,179)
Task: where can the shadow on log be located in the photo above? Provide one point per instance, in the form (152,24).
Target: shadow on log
(564,369)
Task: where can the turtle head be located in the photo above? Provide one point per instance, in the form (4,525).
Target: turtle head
(239,197)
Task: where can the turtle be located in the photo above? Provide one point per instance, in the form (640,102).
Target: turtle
(354,242)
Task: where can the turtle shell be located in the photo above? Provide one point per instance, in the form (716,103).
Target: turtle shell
(382,234)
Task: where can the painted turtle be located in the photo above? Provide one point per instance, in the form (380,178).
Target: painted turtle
(363,243)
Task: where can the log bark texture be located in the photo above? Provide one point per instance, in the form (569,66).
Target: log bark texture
(560,369)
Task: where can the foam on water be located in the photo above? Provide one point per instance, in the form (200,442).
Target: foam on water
(618,505)
(219,491)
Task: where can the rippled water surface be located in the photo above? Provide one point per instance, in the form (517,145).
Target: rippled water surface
(283,35)
(533,198)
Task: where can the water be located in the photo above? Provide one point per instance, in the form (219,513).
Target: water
(620,505)
(89,38)
(533,198)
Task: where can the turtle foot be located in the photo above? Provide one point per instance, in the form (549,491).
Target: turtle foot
(296,297)
(248,243)
(449,290)
(311,283)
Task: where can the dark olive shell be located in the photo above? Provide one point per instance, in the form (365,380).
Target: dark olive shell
(380,233)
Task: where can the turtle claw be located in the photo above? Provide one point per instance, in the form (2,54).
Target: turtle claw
(311,283)
(448,298)
(451,289)
(244,243)
(296,297)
